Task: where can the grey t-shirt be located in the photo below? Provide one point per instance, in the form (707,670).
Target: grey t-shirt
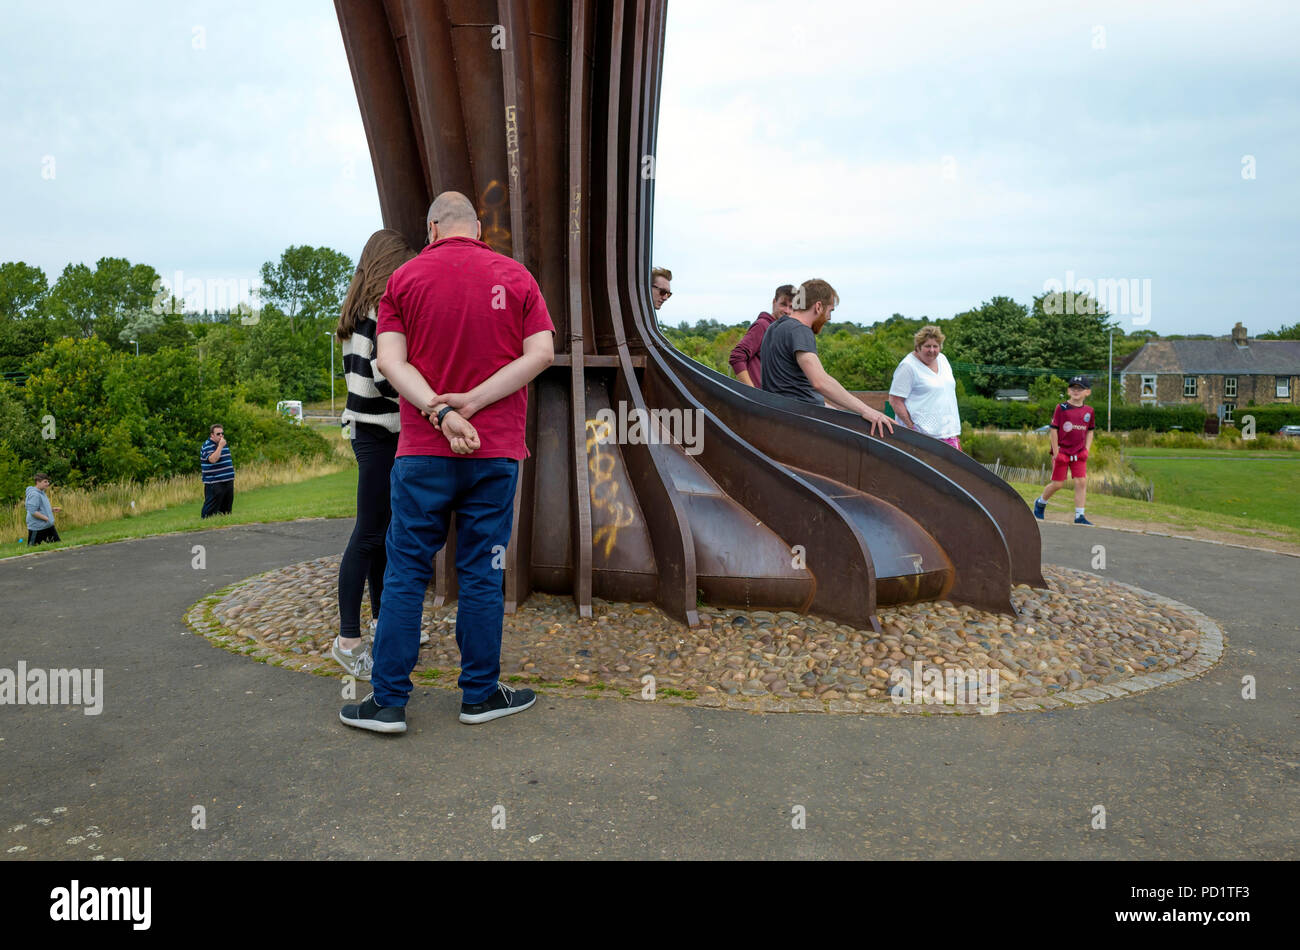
(37,500)
(783,341)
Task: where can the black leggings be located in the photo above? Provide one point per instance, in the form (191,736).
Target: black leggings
(374,447)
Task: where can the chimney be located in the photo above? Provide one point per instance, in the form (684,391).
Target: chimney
(1239,335)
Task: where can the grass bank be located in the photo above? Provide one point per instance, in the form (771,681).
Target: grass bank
(1175,519)
(324,496)
(1256,488)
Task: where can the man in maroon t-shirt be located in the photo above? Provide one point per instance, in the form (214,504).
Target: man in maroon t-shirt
(462,331)
(1073,424)
(745,360)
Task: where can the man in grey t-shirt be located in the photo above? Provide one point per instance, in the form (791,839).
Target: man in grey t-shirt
(789,358)
(40,513)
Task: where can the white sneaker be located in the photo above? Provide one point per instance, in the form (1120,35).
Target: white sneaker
(358,663)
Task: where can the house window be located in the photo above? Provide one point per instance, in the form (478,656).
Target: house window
(1148,387)
(1283,388)
(1230,387)
(1228,409)
(1189,386)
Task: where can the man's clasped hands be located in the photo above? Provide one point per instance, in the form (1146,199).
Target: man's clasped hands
(455,425)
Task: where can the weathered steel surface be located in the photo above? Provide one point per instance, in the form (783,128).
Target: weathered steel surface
(542,111)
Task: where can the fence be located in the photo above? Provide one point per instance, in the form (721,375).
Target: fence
(1119,484)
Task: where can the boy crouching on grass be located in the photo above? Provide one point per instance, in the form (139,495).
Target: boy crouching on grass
(1072,428)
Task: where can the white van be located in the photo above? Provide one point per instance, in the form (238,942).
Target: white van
(291,408)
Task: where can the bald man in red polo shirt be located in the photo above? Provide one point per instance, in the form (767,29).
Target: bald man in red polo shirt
(462,332)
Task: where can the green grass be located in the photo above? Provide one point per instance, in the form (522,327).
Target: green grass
(329,496)
(1236,454)
(1172,517)
(1261,489)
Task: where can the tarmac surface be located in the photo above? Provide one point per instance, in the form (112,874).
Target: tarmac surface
(1189,771)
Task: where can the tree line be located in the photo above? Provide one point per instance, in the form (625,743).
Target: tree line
(81,405)
(1000,344)
(129,377)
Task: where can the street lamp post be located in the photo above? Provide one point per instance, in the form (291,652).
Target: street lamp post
(137,346)
(1110,374)
(331,336)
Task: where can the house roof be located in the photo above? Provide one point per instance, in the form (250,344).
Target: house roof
(1215,357)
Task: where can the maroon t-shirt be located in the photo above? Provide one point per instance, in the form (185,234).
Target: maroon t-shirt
(465,311)
(746,354)
(1072,425)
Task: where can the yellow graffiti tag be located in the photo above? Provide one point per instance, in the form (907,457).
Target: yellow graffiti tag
(604,489)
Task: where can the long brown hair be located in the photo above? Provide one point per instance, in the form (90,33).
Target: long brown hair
(386,251)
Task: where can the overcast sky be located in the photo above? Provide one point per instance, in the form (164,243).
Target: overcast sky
(922,157)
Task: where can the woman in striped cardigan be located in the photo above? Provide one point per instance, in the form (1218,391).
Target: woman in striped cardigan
(372,421)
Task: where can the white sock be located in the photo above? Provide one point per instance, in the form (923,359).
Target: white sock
(1078,512)
(1041,500)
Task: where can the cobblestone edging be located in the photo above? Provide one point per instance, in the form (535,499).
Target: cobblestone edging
(288,616)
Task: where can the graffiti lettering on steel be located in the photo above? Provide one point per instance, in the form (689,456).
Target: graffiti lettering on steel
(512,145)
(575,214)
(491,208)
(604,489)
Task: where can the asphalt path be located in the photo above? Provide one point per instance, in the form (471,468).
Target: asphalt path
(1190,771)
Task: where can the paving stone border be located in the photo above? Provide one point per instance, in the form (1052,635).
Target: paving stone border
(287,617)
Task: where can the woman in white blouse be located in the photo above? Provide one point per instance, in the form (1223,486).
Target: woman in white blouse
(924,392)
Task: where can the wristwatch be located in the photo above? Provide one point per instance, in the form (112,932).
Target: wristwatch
(442,412)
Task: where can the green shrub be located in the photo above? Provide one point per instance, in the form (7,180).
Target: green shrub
(263,435)
(1268,419)
(115,416)
(1158,418)
(980,411)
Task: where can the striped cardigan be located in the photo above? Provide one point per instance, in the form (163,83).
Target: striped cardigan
(371,398)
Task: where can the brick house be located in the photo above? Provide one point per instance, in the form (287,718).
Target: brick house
(1218,375)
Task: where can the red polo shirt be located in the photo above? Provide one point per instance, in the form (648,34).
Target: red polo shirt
(465,311)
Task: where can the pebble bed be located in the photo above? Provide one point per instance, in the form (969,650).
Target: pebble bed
(1082,639)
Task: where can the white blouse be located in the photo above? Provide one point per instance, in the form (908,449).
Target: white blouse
(929,394)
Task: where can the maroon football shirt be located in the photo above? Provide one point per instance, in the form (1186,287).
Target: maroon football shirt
(1072,425)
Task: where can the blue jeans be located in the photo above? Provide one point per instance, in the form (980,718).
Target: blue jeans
(425,490)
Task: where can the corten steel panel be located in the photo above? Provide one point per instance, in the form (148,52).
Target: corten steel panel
(542,111)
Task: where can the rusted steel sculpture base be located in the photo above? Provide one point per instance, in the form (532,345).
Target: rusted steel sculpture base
(543,112)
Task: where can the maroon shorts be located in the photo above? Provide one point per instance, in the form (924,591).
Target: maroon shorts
(1078,468)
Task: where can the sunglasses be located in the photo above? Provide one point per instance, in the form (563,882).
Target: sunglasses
(663,293)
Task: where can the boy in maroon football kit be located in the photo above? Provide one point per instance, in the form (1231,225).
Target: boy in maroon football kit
(1072,427)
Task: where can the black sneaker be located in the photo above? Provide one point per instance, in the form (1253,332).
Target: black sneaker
(504,702)
(370,715)
(1080,519)
(1040,510)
